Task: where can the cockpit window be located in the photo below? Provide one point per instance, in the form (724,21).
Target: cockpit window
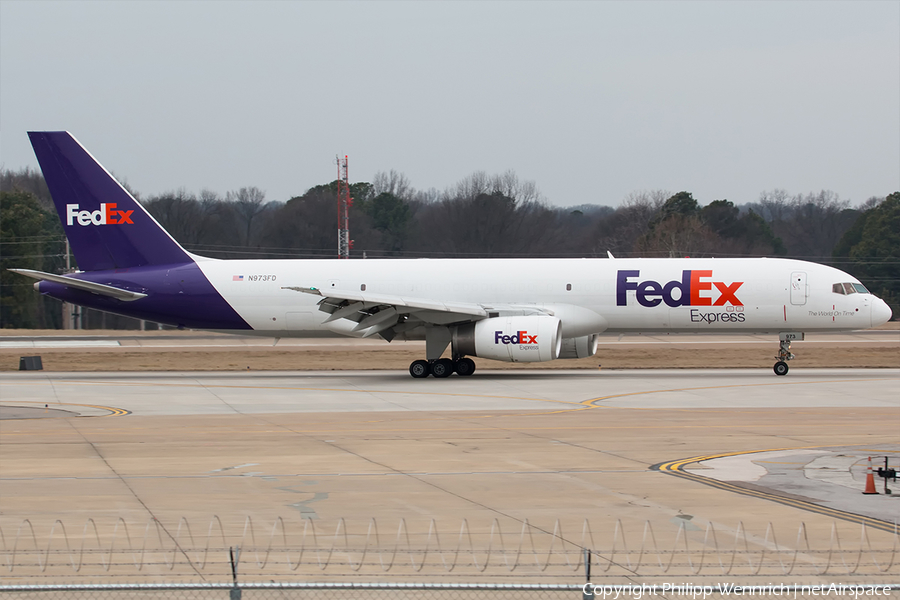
(846,288)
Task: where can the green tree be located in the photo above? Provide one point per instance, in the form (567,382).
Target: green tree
(678,230)
(758,237)
(30,238)
(852,236)
(391,216)
(746,234)
(681,204)
(722,216)
(872,246)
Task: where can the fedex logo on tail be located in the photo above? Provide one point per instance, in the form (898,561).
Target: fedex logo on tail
(107,215)
(694,289)
(520,337)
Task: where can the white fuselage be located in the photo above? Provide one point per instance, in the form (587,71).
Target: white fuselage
(760,295)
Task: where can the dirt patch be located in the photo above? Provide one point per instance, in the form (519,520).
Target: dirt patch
(201,352)
(650,356)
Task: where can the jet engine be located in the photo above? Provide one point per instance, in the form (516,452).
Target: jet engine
(511,339)
(580,347)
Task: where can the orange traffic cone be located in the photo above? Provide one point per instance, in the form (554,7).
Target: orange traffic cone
(870,480)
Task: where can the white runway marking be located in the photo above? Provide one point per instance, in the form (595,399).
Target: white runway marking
(60,344)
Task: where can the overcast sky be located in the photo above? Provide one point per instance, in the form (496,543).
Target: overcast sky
(591,100)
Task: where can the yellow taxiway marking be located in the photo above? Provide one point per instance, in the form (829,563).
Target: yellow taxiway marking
(298,388)
(590,403)
(676,467)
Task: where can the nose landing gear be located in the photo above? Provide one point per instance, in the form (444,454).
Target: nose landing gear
(784,351)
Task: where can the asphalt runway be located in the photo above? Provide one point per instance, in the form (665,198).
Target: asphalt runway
(742,450)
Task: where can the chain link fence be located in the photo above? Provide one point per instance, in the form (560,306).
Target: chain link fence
(304,591)
(313,559)
(438,591)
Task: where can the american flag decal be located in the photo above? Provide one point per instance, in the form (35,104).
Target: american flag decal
(237,278)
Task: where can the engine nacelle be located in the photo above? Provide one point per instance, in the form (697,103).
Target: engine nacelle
(580,347)
(510,339)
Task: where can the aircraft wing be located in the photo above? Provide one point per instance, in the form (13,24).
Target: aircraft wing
(80,284)
(389,315)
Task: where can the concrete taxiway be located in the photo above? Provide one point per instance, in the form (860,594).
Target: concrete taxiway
(557,392)
(592,458)
(536,445)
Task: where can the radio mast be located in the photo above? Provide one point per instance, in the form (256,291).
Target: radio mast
(344,202)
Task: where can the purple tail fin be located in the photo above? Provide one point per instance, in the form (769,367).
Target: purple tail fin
(107,228)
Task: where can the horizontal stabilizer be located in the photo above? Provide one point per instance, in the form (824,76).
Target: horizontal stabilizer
(80,284)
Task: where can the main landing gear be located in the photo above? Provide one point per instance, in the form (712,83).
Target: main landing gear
(442,367)
(784,351)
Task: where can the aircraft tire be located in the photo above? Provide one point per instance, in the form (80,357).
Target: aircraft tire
(464,367)
(442,367)
(420,369)
(780,368)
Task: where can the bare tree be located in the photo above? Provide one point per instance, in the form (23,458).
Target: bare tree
(248,202)
(509,185)
(871,203)
(620,232)
(488,216)
(187,219)
(393,183)
(305,226)
(27,180)
(469,187)
(773,206)
(817,223)
(428,196)
(679,235)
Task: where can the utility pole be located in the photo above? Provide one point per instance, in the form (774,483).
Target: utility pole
(344,202)
(71,312)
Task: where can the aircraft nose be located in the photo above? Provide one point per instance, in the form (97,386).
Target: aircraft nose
(881,312)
